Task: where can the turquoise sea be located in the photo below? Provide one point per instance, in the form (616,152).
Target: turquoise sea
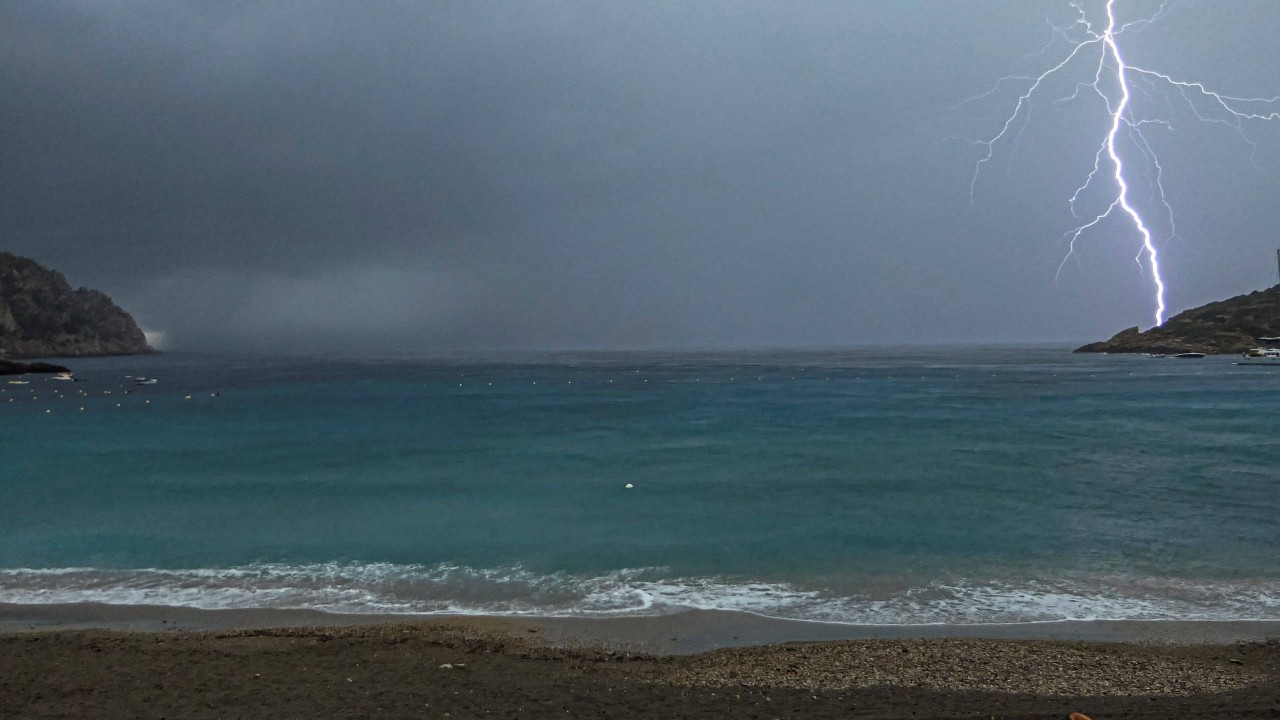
(912,485)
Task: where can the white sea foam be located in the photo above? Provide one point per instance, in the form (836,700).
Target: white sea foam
(454,589)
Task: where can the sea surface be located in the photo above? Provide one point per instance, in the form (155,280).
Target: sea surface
(891,486)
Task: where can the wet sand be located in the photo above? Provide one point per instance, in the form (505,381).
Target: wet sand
(60,661)
(684,633)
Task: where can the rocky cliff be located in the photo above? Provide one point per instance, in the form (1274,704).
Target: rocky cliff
(42,316)
(1227,326)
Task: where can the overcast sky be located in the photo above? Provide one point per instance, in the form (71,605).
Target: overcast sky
(449,176)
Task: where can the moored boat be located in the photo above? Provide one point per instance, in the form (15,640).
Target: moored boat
(1260,356)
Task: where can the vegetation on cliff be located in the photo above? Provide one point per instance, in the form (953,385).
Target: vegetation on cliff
(1227,326)
(42,316)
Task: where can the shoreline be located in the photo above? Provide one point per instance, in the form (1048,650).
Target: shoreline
(126,662)
(683,633)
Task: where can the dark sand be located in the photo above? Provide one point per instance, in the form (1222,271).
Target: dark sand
(59,662)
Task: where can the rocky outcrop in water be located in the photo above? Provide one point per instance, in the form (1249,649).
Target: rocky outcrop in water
(42,316)
(1224,327)
(8,367)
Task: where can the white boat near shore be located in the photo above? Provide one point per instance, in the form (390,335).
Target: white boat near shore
(1260,356)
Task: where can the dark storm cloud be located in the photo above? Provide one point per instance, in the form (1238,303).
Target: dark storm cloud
(442,176)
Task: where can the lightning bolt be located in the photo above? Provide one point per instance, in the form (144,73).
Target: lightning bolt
(1116,82)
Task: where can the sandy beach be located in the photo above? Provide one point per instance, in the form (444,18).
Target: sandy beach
(126,662)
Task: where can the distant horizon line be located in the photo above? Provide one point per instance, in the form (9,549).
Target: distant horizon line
(666,350)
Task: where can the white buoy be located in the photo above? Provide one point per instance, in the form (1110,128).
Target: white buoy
(629,486)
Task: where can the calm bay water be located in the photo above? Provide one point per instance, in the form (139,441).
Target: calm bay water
(870,486)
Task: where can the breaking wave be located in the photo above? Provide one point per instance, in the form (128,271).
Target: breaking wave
(385,588)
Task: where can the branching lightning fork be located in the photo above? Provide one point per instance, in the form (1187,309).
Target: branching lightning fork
(1115,81)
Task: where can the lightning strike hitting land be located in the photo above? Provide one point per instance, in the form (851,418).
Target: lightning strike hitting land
(1115,81)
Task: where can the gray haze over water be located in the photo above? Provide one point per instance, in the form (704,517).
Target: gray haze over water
(431,176)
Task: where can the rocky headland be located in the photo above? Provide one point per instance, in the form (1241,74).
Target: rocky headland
(42,316)
(1225,327)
